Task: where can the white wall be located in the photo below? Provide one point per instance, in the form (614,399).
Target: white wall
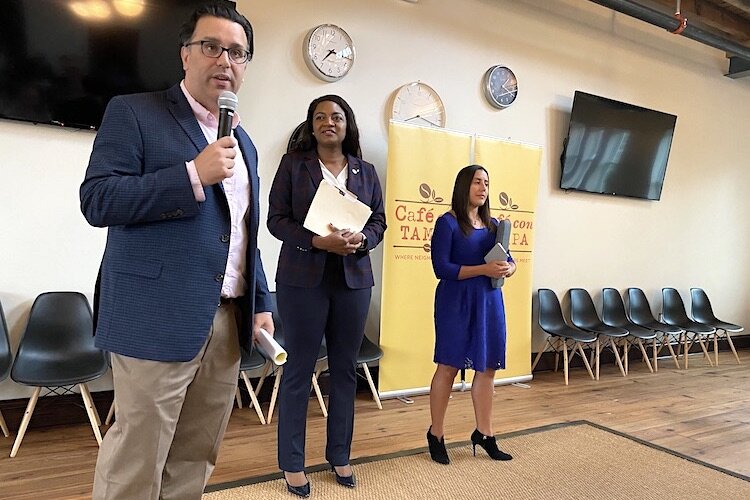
(695,236)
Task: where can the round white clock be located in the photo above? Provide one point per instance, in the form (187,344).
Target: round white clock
(418,103)
(328,52)
(500,86)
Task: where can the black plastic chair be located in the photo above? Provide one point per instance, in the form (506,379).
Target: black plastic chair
(249,362)
(6,361)
(57,351)
(279,337)
(561,335)
(369,353)
(673,312)
(584,316)
(702,312)
(613,314)
(640,313)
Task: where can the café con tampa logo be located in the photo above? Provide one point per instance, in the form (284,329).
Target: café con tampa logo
(428,194)
(506,202)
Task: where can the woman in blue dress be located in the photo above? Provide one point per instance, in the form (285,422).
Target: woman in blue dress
(469,312)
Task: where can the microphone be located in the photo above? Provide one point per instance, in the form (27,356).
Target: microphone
(227,107)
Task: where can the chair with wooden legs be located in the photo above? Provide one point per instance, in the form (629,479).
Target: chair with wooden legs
(702,312)
(322,358)
(561,335)
(57,352)
(673,313)
(249,362)
(639,312)
(583,315)
(369,353)
(110,413)
(613,314)
(6,361)
(279,371)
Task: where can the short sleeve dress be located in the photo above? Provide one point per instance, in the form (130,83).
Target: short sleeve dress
(469,314)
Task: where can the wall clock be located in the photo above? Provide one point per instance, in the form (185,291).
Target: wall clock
(418,103)
(328,52)
(500,86)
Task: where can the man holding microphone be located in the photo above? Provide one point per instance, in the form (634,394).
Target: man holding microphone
(181,285)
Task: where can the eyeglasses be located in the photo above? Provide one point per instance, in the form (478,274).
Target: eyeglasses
(237,55)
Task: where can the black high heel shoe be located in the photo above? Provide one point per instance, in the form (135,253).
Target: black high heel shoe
(489,443)
(438,453)
(347,481)
(301,491)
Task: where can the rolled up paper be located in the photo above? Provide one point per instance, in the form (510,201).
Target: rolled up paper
(268,344)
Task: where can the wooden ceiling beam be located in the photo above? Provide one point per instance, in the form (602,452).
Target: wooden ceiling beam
(743,5)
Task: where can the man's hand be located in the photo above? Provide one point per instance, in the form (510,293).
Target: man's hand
(216,162)
(262,320)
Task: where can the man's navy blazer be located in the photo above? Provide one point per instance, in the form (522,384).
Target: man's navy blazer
(292,191)
(163,266)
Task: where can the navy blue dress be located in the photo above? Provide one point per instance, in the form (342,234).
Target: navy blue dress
(469,313)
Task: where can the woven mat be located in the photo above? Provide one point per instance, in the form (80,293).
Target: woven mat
(565,461)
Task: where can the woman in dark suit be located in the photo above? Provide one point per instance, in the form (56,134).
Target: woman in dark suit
(323,283)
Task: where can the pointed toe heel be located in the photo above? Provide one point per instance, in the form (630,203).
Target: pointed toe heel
(347,481)
(438,453)
(300,491)
(489,444)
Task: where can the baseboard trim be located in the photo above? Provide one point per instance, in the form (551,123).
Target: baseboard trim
(68,409)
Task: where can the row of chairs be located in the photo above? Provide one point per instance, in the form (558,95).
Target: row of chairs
(57,353)
(620,330)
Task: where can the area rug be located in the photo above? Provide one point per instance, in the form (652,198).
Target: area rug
(575,460)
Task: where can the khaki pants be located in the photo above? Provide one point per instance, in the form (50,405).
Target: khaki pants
(170,419)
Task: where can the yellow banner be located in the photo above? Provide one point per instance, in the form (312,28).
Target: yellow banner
(422,167)
(514,179)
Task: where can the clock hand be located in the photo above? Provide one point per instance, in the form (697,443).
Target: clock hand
(330,52)
(511,87)
(422,118)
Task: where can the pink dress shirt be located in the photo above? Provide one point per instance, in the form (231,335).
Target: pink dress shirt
(237,191)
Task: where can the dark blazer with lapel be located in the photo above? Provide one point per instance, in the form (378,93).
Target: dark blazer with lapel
(163,266)
(289,200)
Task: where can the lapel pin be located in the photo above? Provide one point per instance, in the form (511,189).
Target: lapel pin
(355,171)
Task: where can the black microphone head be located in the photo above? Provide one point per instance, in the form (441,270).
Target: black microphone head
(228,100)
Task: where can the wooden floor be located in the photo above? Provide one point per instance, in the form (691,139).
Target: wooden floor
(703,412)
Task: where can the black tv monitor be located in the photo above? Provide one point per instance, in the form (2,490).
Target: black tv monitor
(616,148)
(61,61)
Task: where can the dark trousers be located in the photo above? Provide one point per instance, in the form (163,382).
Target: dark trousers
(308,314)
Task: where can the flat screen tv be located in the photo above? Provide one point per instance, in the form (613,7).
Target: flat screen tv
(616,148)
(62,60)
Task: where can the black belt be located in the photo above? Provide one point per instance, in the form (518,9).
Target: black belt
(226,300)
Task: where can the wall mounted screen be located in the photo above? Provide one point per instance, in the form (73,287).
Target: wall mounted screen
(61,60)
(616,148)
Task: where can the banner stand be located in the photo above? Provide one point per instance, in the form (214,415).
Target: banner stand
(422,167)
